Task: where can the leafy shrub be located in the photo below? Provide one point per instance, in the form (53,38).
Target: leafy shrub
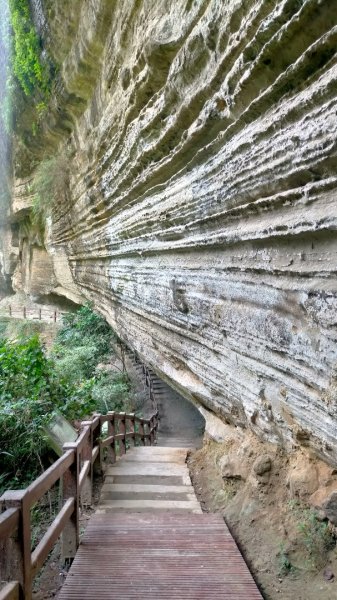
(316,537)
(29,392)
(25,371)
(84,321)
(84,341)
(77,363)
(18,329)
(28,68)
(33,386)
(285,566)
(85,324)
(111,392)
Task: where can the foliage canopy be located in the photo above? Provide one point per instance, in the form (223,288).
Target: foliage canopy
(33,386)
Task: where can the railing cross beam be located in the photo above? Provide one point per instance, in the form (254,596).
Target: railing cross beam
(75,470)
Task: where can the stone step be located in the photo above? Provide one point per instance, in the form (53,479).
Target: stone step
(143,488)
(111,494)
(145,480)
(148,505)
(124,467)
(153,450)
(149,479)
(184,478)
(171,457)
(164,441)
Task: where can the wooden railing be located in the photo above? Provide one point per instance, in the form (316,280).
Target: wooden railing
(148,374)
(34,314)
(101,440)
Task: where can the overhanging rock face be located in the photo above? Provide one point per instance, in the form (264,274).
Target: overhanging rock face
(202,214)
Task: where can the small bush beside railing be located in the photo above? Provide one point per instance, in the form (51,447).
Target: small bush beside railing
(101,440)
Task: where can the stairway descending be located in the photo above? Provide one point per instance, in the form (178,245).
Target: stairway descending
(181,424)
(147,479)
(149,540)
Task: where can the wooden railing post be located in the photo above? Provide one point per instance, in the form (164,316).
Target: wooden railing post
(141,431)
(111,432)
(17,563)
(156,427)
(86,455)
(133,427)
(148,438)
(152,436)
(122,429)
(70,483)
(97,464)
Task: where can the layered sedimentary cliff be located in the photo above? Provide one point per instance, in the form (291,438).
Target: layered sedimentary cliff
(201,212)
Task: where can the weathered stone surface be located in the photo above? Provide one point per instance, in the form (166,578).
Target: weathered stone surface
(233,467)
(216,429)
(262,464)
(202,216)
(330,508)
(303,477)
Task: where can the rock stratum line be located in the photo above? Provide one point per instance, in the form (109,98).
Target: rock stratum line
(201,214)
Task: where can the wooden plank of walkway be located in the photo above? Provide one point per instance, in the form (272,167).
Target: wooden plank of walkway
(150,540)
(159,556)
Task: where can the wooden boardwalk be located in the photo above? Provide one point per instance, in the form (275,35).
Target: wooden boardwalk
(150,540)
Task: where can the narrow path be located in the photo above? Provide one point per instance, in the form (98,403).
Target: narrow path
(149,539)
(181,424)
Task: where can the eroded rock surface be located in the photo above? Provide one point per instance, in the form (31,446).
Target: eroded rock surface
(201,217)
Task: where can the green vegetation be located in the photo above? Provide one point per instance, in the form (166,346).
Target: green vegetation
(6,80)
(82,350)
(313,541)
(50,183)
(31,73)
(316,537)
(29,392)
(76,379)
(285,566)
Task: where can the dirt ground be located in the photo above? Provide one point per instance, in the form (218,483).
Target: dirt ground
(290,550)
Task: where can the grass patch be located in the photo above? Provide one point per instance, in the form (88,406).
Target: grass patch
(313,541)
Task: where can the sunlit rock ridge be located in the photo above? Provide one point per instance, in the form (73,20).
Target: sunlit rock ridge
(201,212)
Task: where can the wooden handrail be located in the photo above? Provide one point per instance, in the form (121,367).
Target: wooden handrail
(84,473)
(51,536)
(45,482)
(75,468)
(11,591)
